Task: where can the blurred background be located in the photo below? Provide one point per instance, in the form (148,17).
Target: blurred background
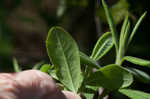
(24,25)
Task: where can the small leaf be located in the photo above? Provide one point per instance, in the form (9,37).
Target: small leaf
(111,25)
(16,65)
(88,95)
(123,43)
(45,68)
(111,77)
(126,35)
(136,27)
(38,65)
(140,75)
(64,54)
(137,61)
(52,72)
(90,91)
(88,61)
(134,94)
(103,45)
(123,29)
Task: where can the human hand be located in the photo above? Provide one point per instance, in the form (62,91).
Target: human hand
(31,84)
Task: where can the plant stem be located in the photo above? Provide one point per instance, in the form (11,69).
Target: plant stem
(119,56)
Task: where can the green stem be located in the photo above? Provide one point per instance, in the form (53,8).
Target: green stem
(119,55)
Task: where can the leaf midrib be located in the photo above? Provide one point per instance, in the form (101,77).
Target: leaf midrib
(100,49)
(66,62)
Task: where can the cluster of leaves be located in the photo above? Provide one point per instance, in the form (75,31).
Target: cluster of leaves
(74,69)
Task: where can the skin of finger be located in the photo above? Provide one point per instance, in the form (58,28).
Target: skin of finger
(31,84)
(7,86)
(35,84)
(70,95)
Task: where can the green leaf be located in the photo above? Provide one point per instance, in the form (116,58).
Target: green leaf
(38,65)
(118,11)
(134,94)
(111,25)
(52,72)
(16,65)
(123,44)
(136,27)
(137,61)
(139,75)
(89,95)
(111,77)
(45,68)
(124,33)
(103,45)
(90,91)
(64,54)
(88,61)
(123,29)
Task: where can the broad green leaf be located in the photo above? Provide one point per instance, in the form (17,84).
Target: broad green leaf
(136,27)
(137,61)
(88,61)
(139,75)
(111,25)
(64,54)
(16,65)
(111,77)
(45,68)
(134,94)
(103,45)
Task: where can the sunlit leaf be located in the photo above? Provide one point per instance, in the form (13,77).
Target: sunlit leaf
(64,54)
(103,45)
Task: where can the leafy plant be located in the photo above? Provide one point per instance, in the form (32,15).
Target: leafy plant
(82,74)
